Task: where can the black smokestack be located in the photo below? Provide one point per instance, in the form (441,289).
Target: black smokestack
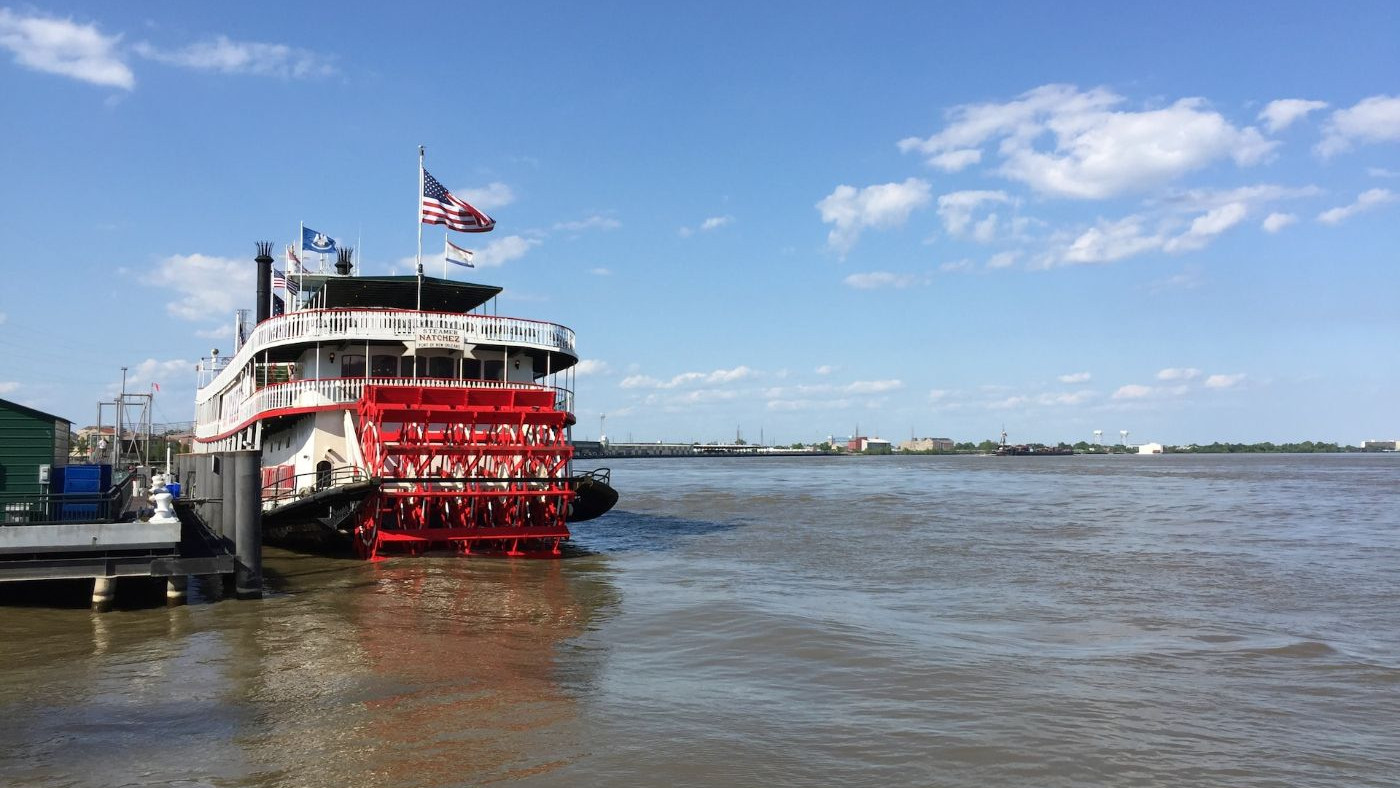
(264,261)
(342,261)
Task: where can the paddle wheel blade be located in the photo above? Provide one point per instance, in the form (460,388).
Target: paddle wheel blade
(474,470)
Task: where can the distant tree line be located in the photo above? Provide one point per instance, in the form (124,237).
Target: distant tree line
(1084,447)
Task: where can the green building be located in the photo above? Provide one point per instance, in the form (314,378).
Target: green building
(29,439)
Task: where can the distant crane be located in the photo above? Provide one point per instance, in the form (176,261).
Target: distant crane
(1098,437)
(1124,433)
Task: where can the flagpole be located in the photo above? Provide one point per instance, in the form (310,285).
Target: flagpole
(419,218)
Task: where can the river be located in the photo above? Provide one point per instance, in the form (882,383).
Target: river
(1178,620)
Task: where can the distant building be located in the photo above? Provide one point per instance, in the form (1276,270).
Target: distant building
(1150,448)
(878,446)
(1380,445)
(870,445)
(927,444)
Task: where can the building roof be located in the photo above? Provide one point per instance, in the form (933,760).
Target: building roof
(4,403)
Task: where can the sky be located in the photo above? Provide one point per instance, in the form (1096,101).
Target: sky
(779,221)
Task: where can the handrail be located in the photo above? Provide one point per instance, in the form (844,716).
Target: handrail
(282,492)
(301,396)
(342,325)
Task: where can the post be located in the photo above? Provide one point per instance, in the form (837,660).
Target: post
(228,506)
(175,589)
(104,590)
(247,475)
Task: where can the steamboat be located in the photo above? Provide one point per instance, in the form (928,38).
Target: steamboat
(395,413)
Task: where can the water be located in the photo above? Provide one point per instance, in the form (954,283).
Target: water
(958,621)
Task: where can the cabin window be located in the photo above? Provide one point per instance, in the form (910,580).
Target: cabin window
(442,367)
(491,370)
(383,366)
(352,366)
(406,366)
(471,369)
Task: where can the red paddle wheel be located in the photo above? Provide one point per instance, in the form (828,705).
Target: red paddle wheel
(470,469)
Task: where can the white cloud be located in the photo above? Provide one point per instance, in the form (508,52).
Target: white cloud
(1075,377)
(225,56)
(595,222)
(8,386)
(1207,226)
(1381,172)
(503,250)
(1374,119)
(956,265)
(1044,399)
(1279,115)
(878,279)
(1097,151)
(712,223)
(64,47)
(717,377)
(1364,201)
(1132,391)
(1277,221)
(955,160)
(1179,373)
(874,386)
(3,318)
(1003,260)
(600,271)
(591,366)
(1111,241)
(1188,279)
(1224,381)
(957,208)
(853,210)
(491,196)
(166,374)
(206,288)
(825,369)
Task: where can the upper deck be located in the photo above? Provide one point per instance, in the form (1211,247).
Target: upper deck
(357,326)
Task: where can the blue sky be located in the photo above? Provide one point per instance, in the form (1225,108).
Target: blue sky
(790,220)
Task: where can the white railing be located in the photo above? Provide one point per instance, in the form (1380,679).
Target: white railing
(371,325)
(308,395)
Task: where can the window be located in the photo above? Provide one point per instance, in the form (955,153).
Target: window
(406,367)
(384,366)
(471,369)
(352,366)
(442,367)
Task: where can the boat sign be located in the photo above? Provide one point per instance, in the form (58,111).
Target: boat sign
(439,339)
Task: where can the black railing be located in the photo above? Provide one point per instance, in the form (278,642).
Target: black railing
(55,508)
(289,488)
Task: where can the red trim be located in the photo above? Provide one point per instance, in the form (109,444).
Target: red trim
(349,405)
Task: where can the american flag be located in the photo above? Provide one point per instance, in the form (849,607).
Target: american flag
(440,207)
(279,280)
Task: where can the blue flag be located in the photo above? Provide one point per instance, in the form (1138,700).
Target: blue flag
(313,241)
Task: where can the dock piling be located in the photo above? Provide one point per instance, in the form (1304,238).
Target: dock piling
(104,592)
(248,539)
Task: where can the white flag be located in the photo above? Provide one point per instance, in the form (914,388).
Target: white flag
(458,255)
